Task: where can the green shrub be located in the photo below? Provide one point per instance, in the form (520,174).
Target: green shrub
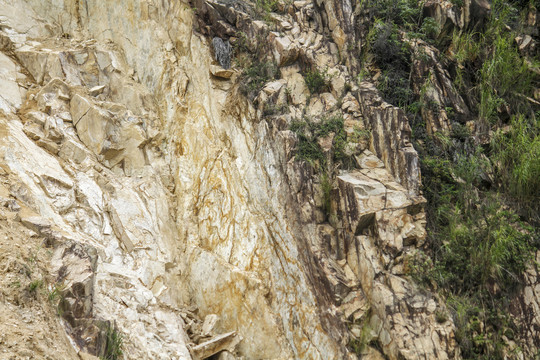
(406,13)
(504,76)
(490,69)
(460,131)
(263,8)
(465,49)
(478,246)
(256,75)
(309,132)
(394,87)
(388,49)
(266,5)
(270,109)
(55,294)
(34,285)
(327,125)
(308,149)
(441,317)
(326,187)
(482,247)
(481,332)
(430,28)
(341,155)
(479,249)
(56,298)
(458,3)
(357,346)
(420,268)
(316,81)
(360,134)
(252,55)
(439,188)
(393,58)
(518,156)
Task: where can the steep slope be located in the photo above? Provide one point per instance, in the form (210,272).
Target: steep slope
(466,74)
(281,194)
(124,156)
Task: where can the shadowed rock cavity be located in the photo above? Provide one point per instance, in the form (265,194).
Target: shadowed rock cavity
(222,51)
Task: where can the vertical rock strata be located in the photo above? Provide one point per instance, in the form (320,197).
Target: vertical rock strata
(160,189)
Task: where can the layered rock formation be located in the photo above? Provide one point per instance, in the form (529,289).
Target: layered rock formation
(166,197)
(450,16)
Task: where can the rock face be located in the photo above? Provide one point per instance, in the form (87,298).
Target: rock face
(391,137)
(526,309)
(431,82)
(470,14)
(381,225)
(160,173)
(165,197)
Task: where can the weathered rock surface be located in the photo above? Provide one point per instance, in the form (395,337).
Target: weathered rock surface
(432,83)
(160,200)
(165,197)
(382,223)
(471,14)
(526,309)
(390,134)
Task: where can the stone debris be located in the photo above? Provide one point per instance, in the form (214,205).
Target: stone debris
(526,310)
(354,306)
(368,160)
(220,72)
(382,221)
(401,160)
(378,206)
(72,208)
(96,90)
(209,323)
(214,345)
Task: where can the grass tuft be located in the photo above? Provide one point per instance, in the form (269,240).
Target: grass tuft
(115,343)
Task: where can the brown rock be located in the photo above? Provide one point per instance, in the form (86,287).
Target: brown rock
(218,343)
(390,137)
(221,73)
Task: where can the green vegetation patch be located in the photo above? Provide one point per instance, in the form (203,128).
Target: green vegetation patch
(481,179)
(309,132)
(114,344)
(478,247)
(316,81)
(517,155)
(392,56)
(258,67)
